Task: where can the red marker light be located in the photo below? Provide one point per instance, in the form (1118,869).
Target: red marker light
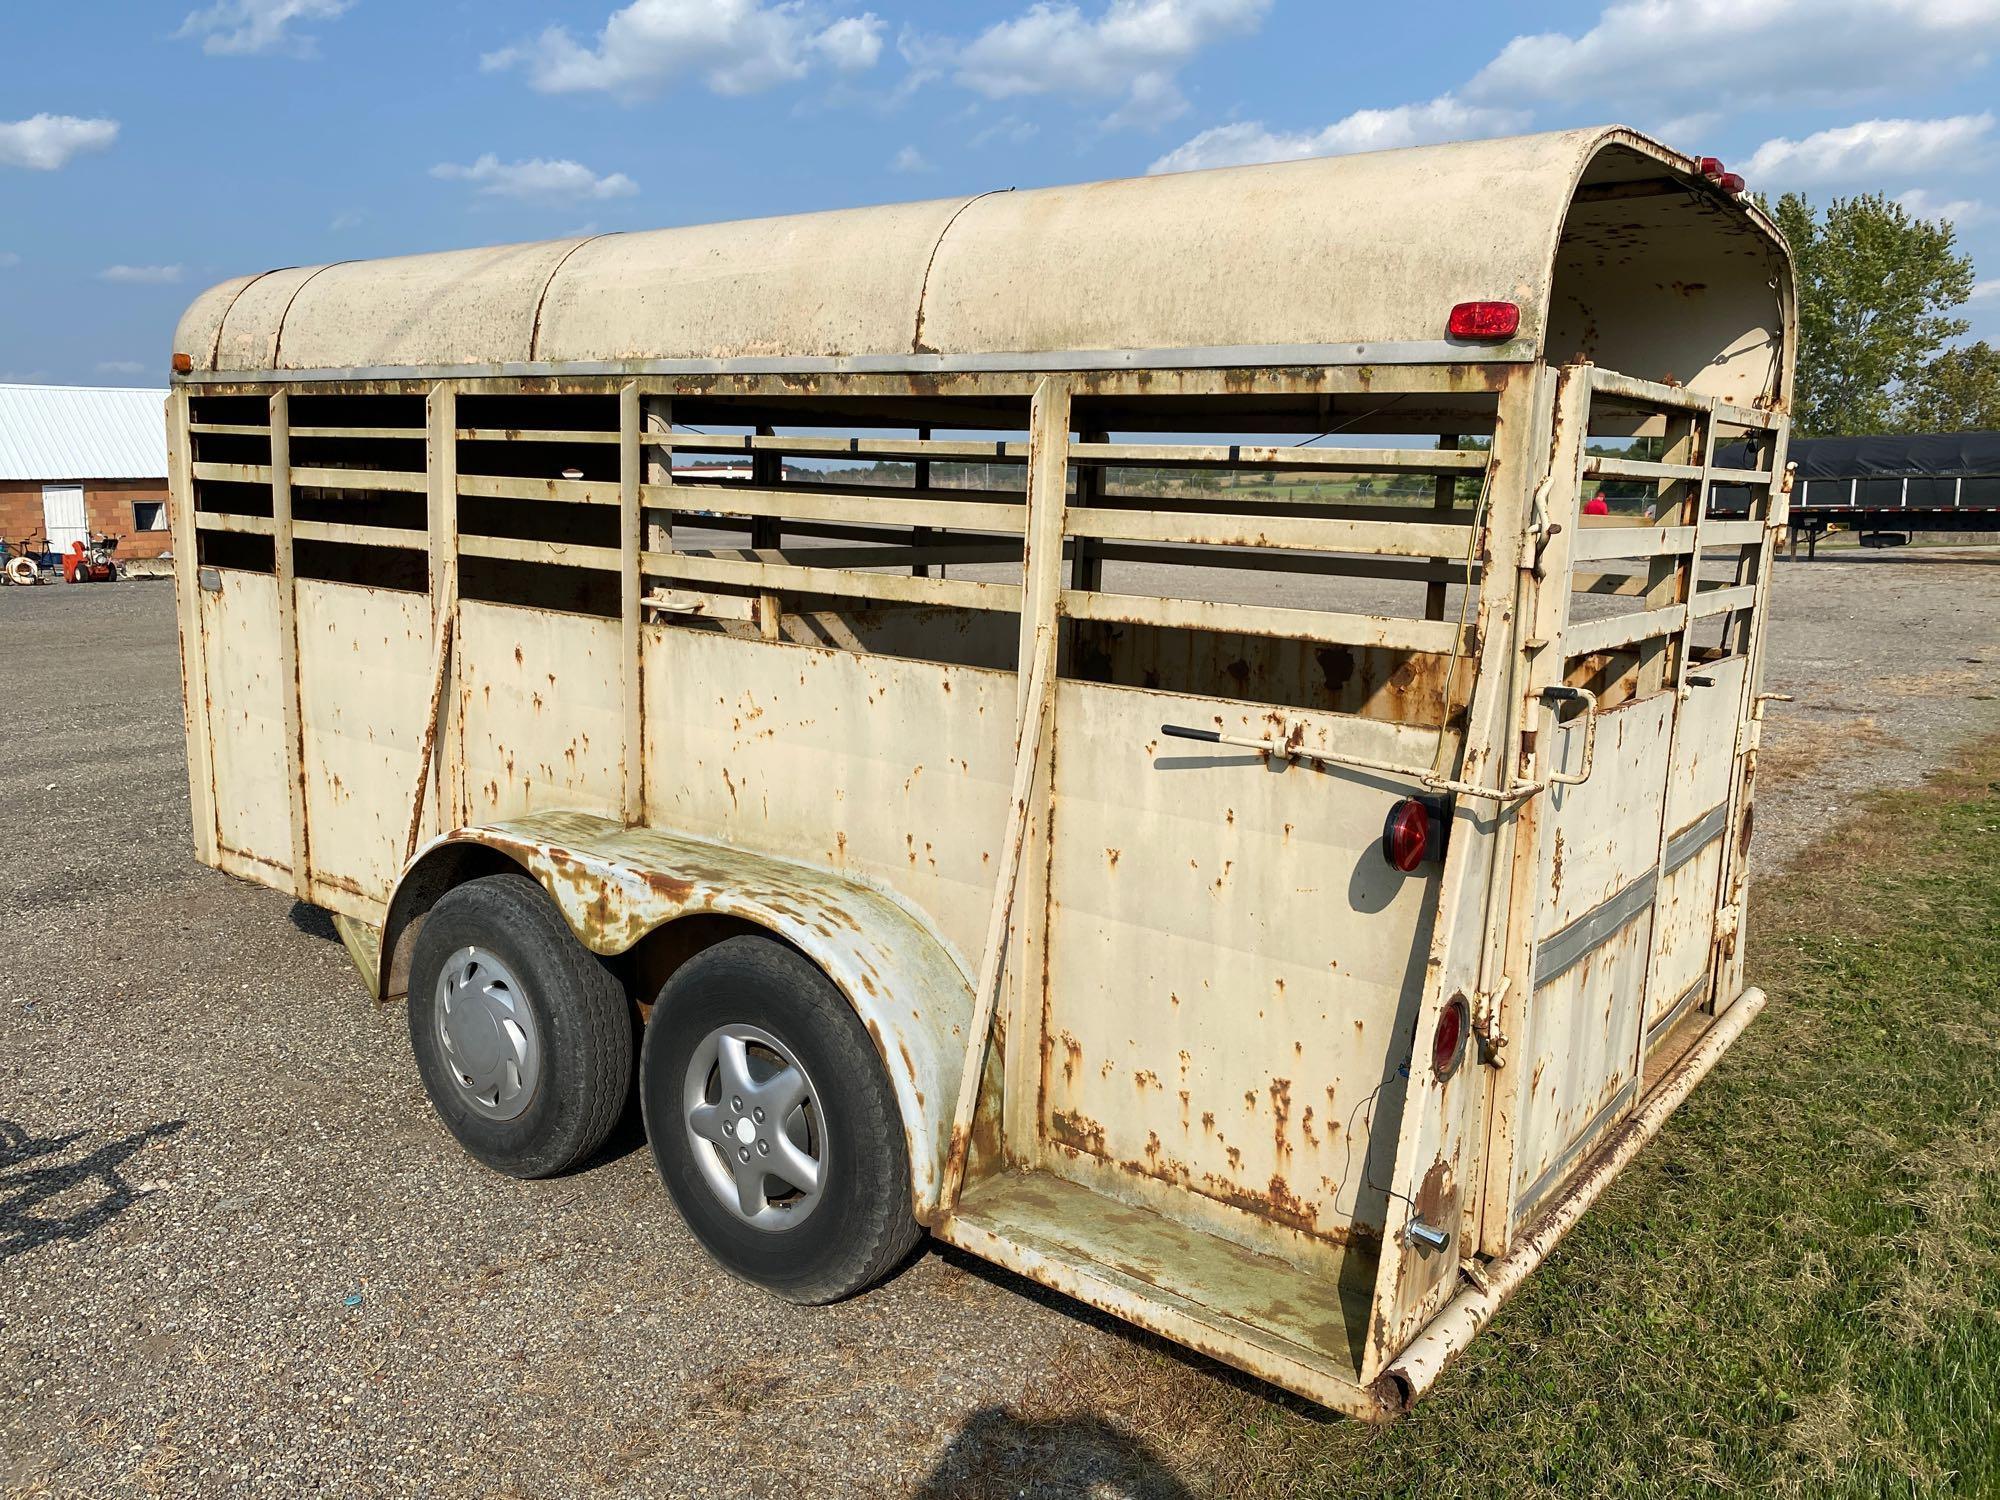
(1448,1041)
(1730,183)
(1709,166)
(1486,321)
(1407,839)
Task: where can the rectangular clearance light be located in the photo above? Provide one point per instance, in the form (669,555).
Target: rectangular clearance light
(1485,321)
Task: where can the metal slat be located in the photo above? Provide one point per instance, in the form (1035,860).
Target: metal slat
(1588,637)
(1596,543)
(1732,533)
(556,554)
(531,435)
(1720,601)
(216,520)
(970,449)
(1439,637)
(564,491)
(1218,455)
(1391,538)
(816,505)
(360,536)
(1633,468)
(895,588)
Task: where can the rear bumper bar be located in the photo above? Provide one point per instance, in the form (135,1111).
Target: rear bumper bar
(1417,1368)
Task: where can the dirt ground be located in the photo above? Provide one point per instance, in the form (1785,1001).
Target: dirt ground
(240,1257)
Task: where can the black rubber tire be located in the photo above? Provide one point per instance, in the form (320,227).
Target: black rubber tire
(584,1016)
(863,1226)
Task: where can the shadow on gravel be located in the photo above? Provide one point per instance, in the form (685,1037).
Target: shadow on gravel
(313,922)
(30,1214)
(999,1454)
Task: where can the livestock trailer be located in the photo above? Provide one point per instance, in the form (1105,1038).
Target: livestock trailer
(1144,772)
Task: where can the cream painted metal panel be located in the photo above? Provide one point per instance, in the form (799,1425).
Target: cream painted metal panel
(1233,965)
(1605,834)
(1697,827)
(541,710)
(847,282)
(1286,253)
(1581,1053)
(1580,1039)
(250,329)
(364,688)
(1290,263)
(246,715)
(464,306)
(891,770)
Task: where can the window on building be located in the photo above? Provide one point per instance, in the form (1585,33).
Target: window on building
(149,515)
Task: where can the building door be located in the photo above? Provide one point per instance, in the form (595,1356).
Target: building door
(63,517)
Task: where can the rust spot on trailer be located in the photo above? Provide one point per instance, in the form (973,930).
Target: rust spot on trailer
(1077,1132)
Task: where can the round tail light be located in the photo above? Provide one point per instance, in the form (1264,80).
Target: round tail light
(1448,1041)
(1407,839)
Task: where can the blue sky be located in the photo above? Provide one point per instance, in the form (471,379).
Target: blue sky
(149,148)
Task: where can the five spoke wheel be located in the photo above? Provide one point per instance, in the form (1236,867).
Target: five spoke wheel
(755,1127)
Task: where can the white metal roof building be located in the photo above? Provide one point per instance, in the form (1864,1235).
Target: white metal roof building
(82,432)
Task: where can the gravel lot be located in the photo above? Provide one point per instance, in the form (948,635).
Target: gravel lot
(240,1257)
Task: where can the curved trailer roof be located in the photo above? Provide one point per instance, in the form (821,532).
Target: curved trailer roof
(1351,259)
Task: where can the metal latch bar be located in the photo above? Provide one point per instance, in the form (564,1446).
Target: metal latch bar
(1287,749)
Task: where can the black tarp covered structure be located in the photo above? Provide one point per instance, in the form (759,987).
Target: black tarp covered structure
(1922,455)
(1893,482)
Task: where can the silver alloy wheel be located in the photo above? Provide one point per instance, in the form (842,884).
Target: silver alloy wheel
(491,1041)
(755,1126)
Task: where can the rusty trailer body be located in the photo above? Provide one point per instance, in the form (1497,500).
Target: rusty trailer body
(1049,683)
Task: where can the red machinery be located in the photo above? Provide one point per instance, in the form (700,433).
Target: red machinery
(91,564)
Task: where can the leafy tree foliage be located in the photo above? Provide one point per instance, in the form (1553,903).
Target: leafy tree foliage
(1958,391)
(1876,291)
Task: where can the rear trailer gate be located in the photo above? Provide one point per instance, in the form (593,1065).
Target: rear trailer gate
(1262,745)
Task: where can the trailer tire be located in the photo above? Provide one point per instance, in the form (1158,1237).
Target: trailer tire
(544,1029)
(857,1223)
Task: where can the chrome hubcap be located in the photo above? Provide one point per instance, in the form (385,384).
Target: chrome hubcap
(754,1123)
(490,1039)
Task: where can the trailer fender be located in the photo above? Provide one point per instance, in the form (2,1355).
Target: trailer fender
(614,885)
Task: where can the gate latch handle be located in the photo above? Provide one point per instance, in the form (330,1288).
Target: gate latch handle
(1560,694)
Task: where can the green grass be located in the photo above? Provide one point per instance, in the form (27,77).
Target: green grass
(1794,1291)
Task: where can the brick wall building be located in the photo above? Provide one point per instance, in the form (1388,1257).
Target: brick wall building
(77,459)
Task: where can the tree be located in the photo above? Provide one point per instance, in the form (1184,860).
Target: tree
(1958,391)
(1876,289)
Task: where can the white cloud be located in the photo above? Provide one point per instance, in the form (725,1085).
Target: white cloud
(733,46)
(1985,291)
(1442,119)
(1730,51)
(537,180)
(142,275)
(46,142)
(245,26)
(1133,52)
(910,159)
(851,44)
(346,219)
(120,367)
(9,259)
(1012,129)
(1928,205)
(1872,149)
